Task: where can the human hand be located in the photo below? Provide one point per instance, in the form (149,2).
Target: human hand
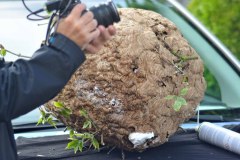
(105,35)
(80,29)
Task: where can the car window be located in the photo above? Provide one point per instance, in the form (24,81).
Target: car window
(213,88)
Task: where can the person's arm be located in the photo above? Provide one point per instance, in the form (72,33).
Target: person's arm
(25,85)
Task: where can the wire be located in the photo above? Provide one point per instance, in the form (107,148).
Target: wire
(60,14)
(50,27)
(35,13)
(23,1)
(60,10)
(66,8)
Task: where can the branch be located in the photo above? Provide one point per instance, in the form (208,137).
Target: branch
(18,55)
(15,54)
(184,58)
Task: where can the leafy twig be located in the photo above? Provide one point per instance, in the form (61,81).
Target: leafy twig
(78,140)
(64,111)
(184,58)
(46,117)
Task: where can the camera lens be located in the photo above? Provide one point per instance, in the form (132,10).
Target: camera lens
(105,14)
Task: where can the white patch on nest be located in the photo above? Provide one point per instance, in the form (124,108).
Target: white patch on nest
(95,96)
(116,105)
(138,138)
(98,97)
(114,102)
(98,92)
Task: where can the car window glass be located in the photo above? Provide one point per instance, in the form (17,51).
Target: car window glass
(213,88)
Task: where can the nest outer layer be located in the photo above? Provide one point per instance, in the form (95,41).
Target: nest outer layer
(124,87)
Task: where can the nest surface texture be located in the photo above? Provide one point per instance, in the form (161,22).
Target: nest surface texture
(124,87)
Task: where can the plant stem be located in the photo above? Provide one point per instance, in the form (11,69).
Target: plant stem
(18,55)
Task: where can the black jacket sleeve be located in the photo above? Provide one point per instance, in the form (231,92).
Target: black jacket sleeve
(27,84)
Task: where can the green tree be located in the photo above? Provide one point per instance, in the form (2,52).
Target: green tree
(221,17)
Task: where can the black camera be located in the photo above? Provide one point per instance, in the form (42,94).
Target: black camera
(105,14)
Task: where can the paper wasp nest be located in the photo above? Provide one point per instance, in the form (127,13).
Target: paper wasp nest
(124,86)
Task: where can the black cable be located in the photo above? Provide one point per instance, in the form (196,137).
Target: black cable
(57,12)
(50,27)
(23,1)
(60,9)
(66,8)
(34,13)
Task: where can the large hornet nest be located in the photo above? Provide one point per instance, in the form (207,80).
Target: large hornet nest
(128,87)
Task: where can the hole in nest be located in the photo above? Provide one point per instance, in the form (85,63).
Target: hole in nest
(167,78)
(167,136)
(131,129)
(161,84)
(148,142)
(135,70)
(185,67)
(165,33)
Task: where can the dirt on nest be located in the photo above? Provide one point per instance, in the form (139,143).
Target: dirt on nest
(124,86)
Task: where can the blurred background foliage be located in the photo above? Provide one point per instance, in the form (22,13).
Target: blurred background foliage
(221,17)
(146,4)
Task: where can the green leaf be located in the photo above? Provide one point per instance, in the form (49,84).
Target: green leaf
(169,97)
(72,144)
(39,121)
(72,138)
(65,112)
(43,121)
(83,113)
(68,110)
(76,149)
(184,91)
(87,135)
(179,103)
(81,135)
(43,113)
(71,133)
(80,146)
(58,104)
(87,124)
(182,101)
(51,122)
(95,143)
(49,119)
(3,52)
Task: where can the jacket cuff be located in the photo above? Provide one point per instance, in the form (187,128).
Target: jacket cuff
(64,44)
